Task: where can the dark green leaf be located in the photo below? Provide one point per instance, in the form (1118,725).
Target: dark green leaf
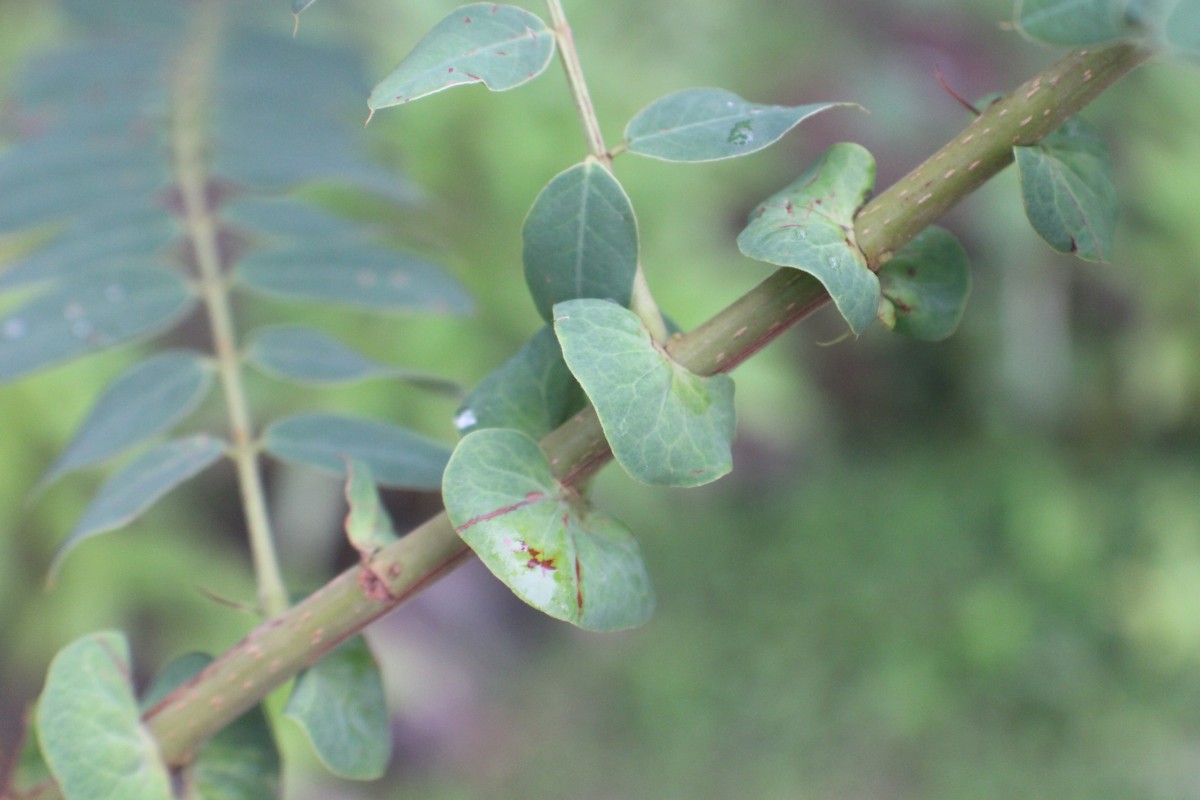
(925,285)
(339,702)
(1068,189)
(147,399)
(397,457)
(284,218)
(499,46)
(665,425)
(137,486)
(368,526)
(711,124)
(810,226)
(90,728)
(96,311)
(1073,22)
(540,538)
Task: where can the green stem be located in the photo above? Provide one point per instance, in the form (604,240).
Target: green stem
(192,92)
(579,90)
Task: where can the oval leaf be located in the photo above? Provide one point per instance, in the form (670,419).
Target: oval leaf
(137,486)
(711,124)
(540,538)
(1072,22)
(340,704)
(90,729)
(810,226)
(147,399)
(98,310)
(499,46)
(580,239)
(1068,189)
(926,285)
(665,425)
(397,457)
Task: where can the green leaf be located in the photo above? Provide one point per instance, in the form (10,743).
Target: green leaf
(580,239)
(397,457)
(533,392)
(306,355)
(340,704)
(363,276)
(1182,28)
(285,218)
(711,124)
(96,311)
(499,46)
(240,762)
(368,526)
(1073,22)
(299,6)
(137,486)
(147,399)
(1068,189)
(665,425)
(810,226)
(540,538)
(925,285)
(90,729)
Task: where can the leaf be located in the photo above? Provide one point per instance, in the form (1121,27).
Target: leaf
(363,276)
(299,6)
(1069,192)
(285,218)
(925,285)
(96,311)
(90,729)
(397,457)
(540,538)
(1182,28)
(147,399)
(1073,22)
(137,486)
(368,526)
(533,392)
(499,46)
(665,425)
(580,239)
(810,226)
(711,124)
(240,762)
(306,355)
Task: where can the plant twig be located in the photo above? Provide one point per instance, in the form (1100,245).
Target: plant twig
(579,90)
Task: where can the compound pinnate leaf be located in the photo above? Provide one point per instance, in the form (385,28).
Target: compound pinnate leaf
(97,310)
(925,285)
(340,704)
(810,226)
(1068,189)
(138,485)
(241,762)
(147,399)
(540,538)
(397,457)
(580,239)
(1073,22)
(665,425)
(90,729)
(499,46)
(368,526)
(711,124)
(532,392)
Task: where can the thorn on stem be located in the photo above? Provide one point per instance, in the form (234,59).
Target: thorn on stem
(967,104)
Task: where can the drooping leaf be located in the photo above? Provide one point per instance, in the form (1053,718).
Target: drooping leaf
(499,46)
(1068,189)
(94,312)
(532,392)
(665,425)
(340,704)
(580,239)
(711,124)
(397,457)
(90,729)
(367,276)
(810,226)
(147,399)
(368,525)
(241,762)
(540,538)
(1075,22)
(137,486)
(925,285)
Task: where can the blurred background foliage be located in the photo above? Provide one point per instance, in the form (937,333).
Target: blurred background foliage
(966,569)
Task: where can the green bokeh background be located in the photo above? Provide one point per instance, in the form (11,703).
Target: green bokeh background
(965,569)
